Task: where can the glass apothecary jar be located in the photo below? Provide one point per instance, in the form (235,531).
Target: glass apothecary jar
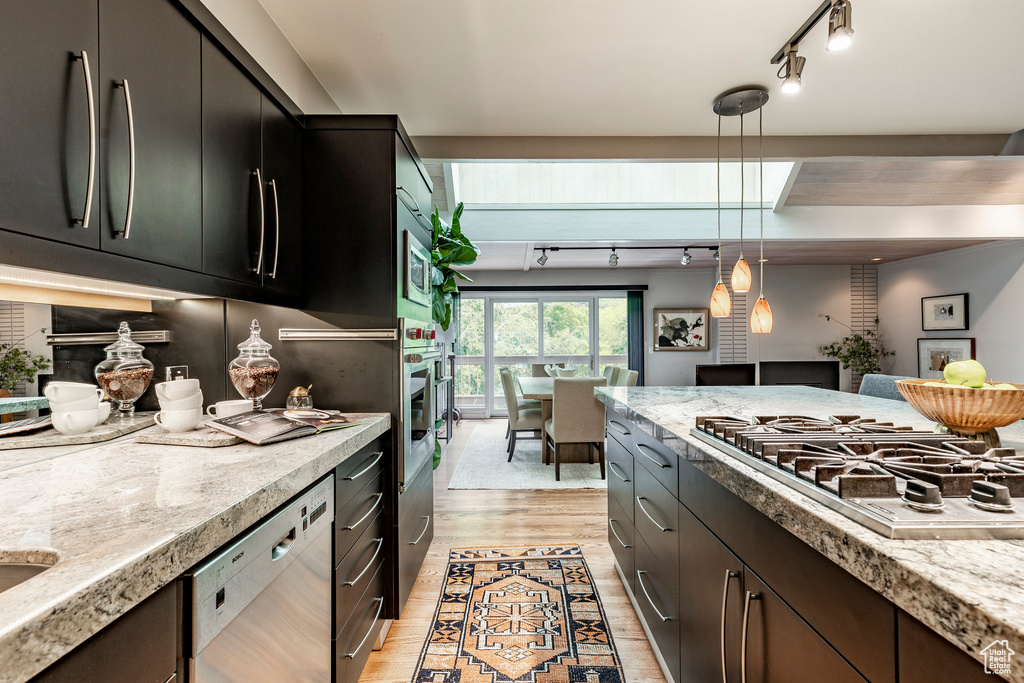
(124,375)
(254,371)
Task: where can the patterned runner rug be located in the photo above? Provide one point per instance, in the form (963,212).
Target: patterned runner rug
(528,613)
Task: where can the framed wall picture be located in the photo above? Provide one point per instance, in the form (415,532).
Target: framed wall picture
(948,312)
(682,329)
(934,354)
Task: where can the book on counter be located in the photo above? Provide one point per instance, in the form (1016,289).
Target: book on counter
(270,426)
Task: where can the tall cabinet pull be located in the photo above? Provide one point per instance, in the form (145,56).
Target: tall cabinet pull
(277,229)
(743,641)
(131,159)
(90,183)
(729,575)
(263,222)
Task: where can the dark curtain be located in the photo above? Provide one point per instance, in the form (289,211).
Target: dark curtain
(635,332)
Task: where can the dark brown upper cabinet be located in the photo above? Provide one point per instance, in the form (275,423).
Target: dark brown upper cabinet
(282,167)
(151,189)
(49,65)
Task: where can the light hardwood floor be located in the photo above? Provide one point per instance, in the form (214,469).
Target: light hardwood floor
(501,518)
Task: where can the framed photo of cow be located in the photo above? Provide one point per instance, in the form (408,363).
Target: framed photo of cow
(682,329)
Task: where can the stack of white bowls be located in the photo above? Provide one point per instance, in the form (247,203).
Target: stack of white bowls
(181,405)
(75,408)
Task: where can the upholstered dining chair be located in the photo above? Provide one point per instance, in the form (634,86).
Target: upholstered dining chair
(524,403)
(520,419)
(626,378)
(576,417)
(881,386)
(610,374)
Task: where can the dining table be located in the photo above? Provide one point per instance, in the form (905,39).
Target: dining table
(543,389)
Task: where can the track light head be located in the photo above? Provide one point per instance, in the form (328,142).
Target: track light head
(543,258)
(791,71)
(613,260)
(717,255)
(686,257)
(840,26)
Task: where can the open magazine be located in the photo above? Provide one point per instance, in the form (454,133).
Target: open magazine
(269,426)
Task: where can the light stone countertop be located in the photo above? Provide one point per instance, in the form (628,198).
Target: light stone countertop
(128,518)
(971,592)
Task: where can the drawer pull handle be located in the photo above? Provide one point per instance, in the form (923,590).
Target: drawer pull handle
(620,429)
(367,468)
(131,158)
(640,502)
(362,519)
(729,575)
(425,527)
(640,449)
(743,642)
(91,178)
(640,578)
(380,606)
(415,208)
(612,527)
(612,466)
(380,544)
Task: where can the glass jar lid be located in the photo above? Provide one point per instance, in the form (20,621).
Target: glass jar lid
(124,346)
(254,345)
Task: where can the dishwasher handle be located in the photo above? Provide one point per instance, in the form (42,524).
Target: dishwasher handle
(283,545)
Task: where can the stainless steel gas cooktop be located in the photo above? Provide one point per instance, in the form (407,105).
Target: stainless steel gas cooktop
(894,480)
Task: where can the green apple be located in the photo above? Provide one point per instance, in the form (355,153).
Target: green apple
(936,384)
(968,373)
(1004,385)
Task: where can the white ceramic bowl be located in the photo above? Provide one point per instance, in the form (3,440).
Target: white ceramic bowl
(188,403)
(178,389)
(179,420)
(67,392)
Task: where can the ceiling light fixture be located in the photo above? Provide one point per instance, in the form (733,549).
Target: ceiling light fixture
(741,271)
(761,318)
(840,36)
(721,303)
(613,260)
(686,257)
(543,258)
(791,71)
(877,258)
(840,26)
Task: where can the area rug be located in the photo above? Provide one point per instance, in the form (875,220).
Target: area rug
(484,464)
(529,613)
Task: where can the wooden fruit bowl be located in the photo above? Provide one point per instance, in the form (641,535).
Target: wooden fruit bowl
(962,409)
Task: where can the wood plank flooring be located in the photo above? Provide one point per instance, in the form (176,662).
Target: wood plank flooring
(500,518)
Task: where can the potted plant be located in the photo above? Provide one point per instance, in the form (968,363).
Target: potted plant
(861,352)
(448,248)
(18,365)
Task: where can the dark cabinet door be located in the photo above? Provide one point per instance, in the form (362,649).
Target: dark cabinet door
(156,122)
(234,217)
(782,648)
(710,604)
(46,118)
(282,168)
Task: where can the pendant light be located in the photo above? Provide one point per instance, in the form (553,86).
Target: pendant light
(761,319)
(721,303)
(741,271)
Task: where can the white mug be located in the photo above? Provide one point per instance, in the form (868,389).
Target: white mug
(81,421)
(66,392)
(89,403)
(188,403)
(177,389)
(228,408)
(179,420)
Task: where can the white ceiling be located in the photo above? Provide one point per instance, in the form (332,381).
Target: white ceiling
(606,67)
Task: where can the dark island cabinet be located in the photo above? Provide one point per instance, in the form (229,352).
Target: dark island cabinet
(151,200)
(49,65)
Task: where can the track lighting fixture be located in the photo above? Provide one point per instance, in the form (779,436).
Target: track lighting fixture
(613,260)
(791,71)
(840,36)
(717,255)
(840,26)
(543,258)
(686,257)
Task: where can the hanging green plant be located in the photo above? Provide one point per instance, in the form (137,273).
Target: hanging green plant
(861,352)
(448,248)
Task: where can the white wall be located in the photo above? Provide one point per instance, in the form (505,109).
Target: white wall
(993,276)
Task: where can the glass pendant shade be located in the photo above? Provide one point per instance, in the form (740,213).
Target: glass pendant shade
(741,277)
(761,318)
(721,304)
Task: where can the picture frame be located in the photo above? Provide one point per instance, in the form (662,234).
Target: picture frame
(682,329)
(934,353)
(946,312)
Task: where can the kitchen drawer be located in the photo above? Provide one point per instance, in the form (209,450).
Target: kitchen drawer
(657,521)
(656,458)
(355,572)
(620,538)
(358,515)
(620,477)
(353,645)
(659,604)
(621,429)
(415,534)
(351,476)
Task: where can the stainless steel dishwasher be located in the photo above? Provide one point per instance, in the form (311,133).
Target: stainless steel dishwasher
(261,608)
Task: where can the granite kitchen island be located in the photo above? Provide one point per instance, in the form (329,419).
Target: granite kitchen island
(966,591)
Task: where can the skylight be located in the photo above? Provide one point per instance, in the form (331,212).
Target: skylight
(575,183)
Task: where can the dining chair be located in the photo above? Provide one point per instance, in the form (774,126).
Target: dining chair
(519,419)
(626,378)
(881,386)
(576,417)
(610,373)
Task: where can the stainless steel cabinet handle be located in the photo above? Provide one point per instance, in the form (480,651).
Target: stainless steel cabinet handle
(743,641)
(380,544)
(131,159)
(640,578)
(415,208)
(425,527)
(639,501)
(640,449)
(90,183)
(277,229)
(612,467)
(367,468)
(620,429)
(612,527)
(263,223)
(362,519)
(729,575)
(380,606)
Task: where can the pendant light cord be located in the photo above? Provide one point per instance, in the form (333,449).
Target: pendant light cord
(741,184)
(760,177)
(718,187)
